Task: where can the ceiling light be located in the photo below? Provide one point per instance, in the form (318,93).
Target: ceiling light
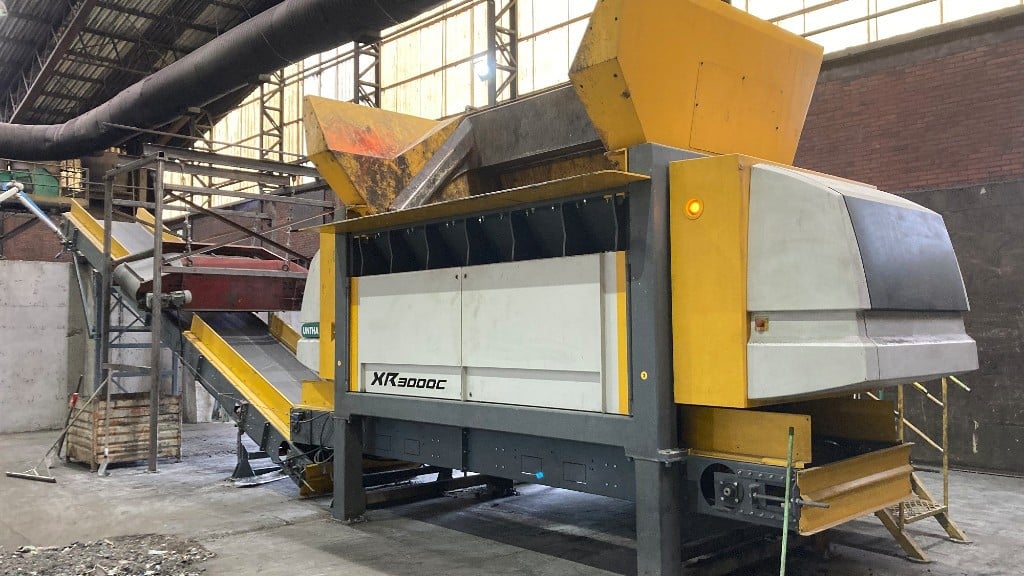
(482,68)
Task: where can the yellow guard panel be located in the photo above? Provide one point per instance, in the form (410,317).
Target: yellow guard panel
(327,294)
(369,155)
(318,394)
(709,279)
(854,487)
(610,180)
(746,435)
(694,74)
(283,332)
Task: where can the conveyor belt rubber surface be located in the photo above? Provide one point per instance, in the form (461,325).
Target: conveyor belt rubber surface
(250,337)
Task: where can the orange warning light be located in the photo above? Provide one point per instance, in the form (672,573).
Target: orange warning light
(694,208)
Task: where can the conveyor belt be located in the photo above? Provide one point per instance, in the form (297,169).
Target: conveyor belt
(250,337)
(233,353)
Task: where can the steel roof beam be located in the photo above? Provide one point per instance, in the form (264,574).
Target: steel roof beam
(73,25)
(229,6)
(140,39)
(77,77)
(29,18)
(179,22)
(94,60)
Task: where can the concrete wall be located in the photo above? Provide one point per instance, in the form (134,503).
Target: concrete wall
(987,425)
(34,329)
(939,118)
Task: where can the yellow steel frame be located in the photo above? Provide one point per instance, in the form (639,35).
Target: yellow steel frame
(353,336)
(327,294)
(564,187)
(709,280)
(854,487)
(318,394)
(745,435)
(284,333)
(622,314)
(924,505)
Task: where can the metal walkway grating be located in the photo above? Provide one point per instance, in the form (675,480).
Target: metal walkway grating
(917,509)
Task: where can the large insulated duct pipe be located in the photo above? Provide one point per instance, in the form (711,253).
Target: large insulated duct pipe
(282,35)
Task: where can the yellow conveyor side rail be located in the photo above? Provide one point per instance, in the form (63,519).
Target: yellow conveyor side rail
(256,389)
(284,333)
(92,230)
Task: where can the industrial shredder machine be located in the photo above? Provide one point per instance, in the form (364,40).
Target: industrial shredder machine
(622,287)
(619,286)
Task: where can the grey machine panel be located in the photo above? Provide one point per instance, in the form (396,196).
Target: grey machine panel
(579,466)
(414,441)
(908,258)
(730,489)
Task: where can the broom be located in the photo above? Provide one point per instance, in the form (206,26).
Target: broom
(33,473)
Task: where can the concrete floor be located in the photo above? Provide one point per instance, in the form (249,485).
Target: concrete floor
(543,531)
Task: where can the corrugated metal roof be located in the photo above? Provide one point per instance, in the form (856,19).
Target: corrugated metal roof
(60,58)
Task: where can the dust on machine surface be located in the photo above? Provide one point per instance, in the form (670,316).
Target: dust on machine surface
(620,286)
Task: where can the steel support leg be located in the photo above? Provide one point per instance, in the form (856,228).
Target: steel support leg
(157,315)
(243,469)
(914,551)
(349,494)
(655,443)
(659,518)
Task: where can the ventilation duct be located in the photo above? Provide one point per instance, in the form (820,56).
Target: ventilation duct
(279,36)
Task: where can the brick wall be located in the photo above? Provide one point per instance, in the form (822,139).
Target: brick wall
(276,215)
(937,111)
(37,242)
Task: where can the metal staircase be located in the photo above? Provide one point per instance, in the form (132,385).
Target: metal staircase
(923,505)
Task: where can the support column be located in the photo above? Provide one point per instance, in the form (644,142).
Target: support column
(201,126)
(157,315)
(366,71)
(272,116)
(106,283)
(349,494)
(654,444)
(659,513)
(502,50)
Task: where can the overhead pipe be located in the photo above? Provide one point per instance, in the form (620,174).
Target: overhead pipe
(15,189)
(274,39)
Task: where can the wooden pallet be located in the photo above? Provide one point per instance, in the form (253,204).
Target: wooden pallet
(128,432)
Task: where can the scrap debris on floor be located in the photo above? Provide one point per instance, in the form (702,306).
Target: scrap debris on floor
(148,555)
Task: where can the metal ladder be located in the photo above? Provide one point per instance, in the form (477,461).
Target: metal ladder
(923,505)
